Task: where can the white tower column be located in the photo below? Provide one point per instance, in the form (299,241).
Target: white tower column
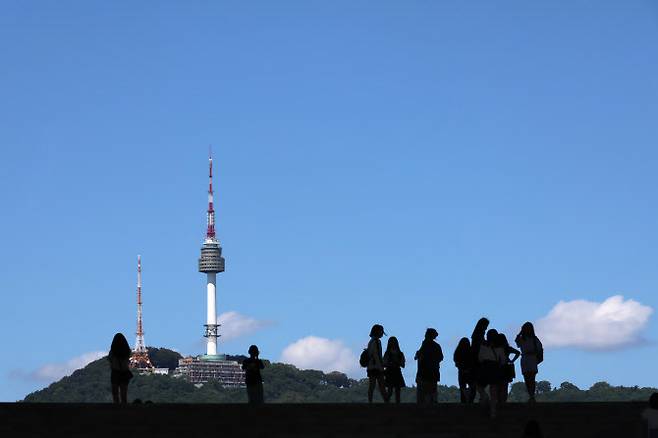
(211,319)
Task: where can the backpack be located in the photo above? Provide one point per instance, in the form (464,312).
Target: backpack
(539,352)
(364,358)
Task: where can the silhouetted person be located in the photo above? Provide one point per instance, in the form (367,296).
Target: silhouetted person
(429,358)
(119,357)
(465,364)
(650,414)
(504,349)
(532,354)
(394,361)
(490,363)
(477,339)
(532,430)
(252,378)
(375,368)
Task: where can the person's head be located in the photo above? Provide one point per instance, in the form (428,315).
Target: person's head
(463,346)
(528,330)
(393,344)
(492,336)
(431,334)
(653,401)
(120,347)
(532,430)
(253,351)
(377,331)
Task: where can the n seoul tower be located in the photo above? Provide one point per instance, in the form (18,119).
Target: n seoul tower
(210,263)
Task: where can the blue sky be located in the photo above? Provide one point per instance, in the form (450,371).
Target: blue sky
(417,163)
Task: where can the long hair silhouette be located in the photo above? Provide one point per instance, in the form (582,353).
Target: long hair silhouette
(393,345)
(120,347)
(527,330)
(462,350)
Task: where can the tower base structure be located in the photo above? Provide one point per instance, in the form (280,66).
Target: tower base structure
(202,369)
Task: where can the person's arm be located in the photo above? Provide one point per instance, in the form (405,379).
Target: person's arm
(379,359)
(514,351)
(403,362)
(440,353)
(517,340)
(261,364)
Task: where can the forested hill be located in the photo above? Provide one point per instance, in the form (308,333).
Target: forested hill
(283,383)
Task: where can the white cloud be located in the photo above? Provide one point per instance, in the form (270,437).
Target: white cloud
(323,354)
(613,323)
(54,371)
(235,325)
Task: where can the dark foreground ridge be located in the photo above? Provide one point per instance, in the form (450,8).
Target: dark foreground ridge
(446,420)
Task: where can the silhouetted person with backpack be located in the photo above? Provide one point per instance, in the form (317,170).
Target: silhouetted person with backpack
(429,358)
(394,361)
(120,375)
(252,378)
(375,367)
(477,339)
(464,362)
(504,349)
(650,414)
(532,354)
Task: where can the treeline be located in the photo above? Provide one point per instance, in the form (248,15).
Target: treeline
(285,384)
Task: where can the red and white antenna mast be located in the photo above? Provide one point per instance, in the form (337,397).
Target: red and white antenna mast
(139,342)
(140,358)
(210,233)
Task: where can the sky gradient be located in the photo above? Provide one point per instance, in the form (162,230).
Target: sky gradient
(415,164)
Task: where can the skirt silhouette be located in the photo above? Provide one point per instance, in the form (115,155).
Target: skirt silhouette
(393,377)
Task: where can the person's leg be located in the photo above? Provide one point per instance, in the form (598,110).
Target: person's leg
(397,395)
(482,391)
(372,381)
(123,387)
(115,393)
(493,403)
(382,387)
(530,385)
(463,397)
(260,397)
(504,391)
(433,393)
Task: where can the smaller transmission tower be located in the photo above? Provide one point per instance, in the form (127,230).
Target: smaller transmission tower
(140,358)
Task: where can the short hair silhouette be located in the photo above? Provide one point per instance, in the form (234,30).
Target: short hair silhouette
(431,333)
(653,401)
(119,346)
(532,430)
(253,350)
(377,330)
(492,336)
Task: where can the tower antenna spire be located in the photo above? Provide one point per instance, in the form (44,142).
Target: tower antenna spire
(210,232)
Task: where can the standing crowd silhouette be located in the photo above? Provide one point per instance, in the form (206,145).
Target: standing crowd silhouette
(485,364)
